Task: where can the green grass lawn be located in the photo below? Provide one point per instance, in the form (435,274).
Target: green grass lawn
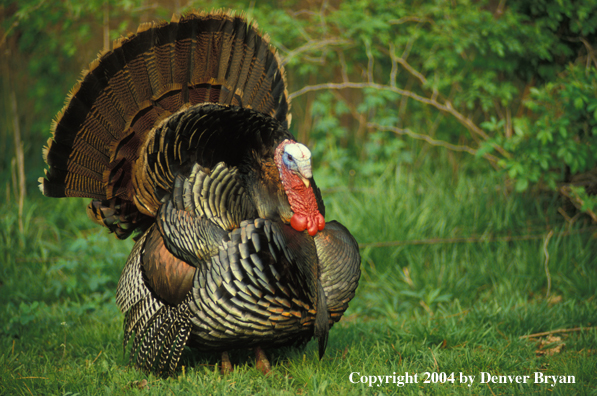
(452,307)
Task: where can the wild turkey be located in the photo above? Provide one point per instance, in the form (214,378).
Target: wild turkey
(180,134)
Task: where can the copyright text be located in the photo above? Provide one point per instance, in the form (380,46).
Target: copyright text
(461,378)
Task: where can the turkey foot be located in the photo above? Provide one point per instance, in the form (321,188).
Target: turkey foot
(226,365)
(261,361)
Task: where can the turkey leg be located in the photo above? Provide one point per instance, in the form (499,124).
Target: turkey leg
(226,365)
(261,361)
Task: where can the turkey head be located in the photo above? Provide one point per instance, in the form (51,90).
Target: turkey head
(294,163)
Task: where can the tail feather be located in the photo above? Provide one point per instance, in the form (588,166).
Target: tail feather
(237,58)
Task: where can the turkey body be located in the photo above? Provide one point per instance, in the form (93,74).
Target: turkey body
(180,134)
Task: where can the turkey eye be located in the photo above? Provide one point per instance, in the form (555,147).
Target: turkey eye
(289,157)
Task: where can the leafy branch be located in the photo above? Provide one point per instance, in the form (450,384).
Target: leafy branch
(433,101)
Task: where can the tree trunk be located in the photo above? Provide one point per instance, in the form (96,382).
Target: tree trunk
(19,157)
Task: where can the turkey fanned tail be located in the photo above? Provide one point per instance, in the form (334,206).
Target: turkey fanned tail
(163,69)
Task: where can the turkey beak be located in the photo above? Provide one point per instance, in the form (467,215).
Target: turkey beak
(305,181)
(304,171)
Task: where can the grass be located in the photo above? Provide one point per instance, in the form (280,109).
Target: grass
(461,308)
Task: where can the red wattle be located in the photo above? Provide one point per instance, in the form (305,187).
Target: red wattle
(320,221)
(298,222)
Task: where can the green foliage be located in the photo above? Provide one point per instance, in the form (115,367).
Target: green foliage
(589,203)
(560,137)
(56,258)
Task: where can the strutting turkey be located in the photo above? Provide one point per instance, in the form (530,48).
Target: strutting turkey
(181,134)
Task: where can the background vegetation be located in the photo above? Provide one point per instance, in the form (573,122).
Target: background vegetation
(455,139)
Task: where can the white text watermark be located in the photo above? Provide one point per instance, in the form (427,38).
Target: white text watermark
(402,379)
